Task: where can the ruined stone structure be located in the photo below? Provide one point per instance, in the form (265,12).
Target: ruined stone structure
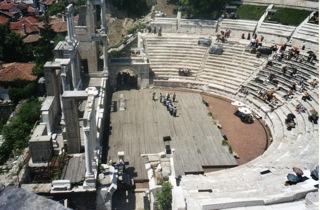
(91,39)
(73,115)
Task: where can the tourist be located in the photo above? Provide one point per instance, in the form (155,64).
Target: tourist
(228,32)
(254,36)
(278,87)
(174,97)
(154,96)
(302,86)
(270,95)
(168,96)
(314,83)
(272,77)
(314,116)
(311,56)
(160,31)
(261,38)
(294,72)
(300,81)
(248,37)
(270,63)
(243,36)
(306,96)
(170,109)
(175,111)
(288,95)
(160,97)
(300,108)
(284,69)
(293,86)
(289,121)
(253,42)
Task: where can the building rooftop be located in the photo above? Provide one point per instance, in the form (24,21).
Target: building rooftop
(17,71)
(7,5)
(48,2)
(26,25)
(3,20)
(59,26)
(32,38)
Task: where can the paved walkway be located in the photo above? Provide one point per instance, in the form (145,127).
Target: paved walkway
(247,140)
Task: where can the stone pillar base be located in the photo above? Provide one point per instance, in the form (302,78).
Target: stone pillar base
(90,182)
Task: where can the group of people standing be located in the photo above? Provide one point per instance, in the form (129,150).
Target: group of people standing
(167,100)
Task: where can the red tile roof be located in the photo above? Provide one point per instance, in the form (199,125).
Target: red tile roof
(32,38)
(59,27)
(48,2)
(6,5)
(31,10)
(17,71)
(3,20)
(26,25)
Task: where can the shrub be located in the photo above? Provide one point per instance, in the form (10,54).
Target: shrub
(18,93)
(16,133)
(164,197)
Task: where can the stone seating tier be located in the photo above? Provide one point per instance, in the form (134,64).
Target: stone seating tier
(289,148)
(275,29)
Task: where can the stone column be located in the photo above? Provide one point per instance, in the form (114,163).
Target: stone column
(104,35)
(140,41)
(63,77)
(74,70)
(70,36)
(88,154)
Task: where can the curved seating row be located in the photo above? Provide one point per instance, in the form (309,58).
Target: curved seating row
(167,54)
(244,185)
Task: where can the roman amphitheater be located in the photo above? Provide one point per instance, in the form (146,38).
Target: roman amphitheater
(171,46)
(199,104)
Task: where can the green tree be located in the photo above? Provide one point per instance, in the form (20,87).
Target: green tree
(57,7)
(134,8)
(43,51)
(17,132)
(19,92)
(12,47)
(164,197)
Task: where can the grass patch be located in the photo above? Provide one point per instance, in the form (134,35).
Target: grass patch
(250,12)
(288,16)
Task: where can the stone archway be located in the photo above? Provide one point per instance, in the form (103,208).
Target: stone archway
(139,70)
(126,79)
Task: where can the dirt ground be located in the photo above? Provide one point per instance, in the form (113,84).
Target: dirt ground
(247,140)
(168,9)
(118,23)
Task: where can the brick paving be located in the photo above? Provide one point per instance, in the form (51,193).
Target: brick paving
(247,140)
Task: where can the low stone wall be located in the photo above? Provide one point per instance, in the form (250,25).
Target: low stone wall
(298,4)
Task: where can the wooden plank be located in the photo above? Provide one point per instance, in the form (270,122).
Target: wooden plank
(141,128)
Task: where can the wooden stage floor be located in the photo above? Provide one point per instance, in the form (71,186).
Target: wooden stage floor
(140,129)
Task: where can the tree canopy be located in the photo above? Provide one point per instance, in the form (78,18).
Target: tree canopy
(17,132)
(135,8)
(12,47)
